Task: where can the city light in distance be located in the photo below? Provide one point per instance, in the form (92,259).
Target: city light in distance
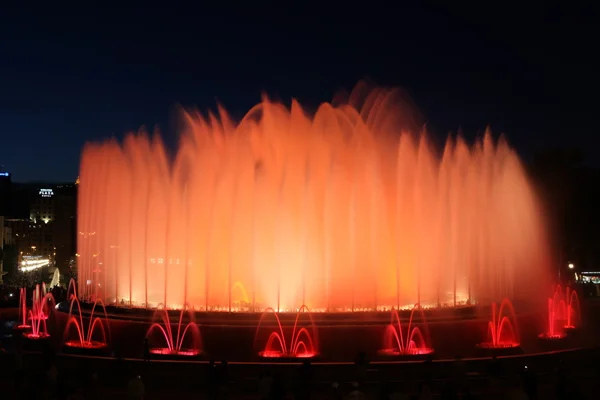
(46,192)
(31,263)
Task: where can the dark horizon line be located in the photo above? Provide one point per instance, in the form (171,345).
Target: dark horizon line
(47,183)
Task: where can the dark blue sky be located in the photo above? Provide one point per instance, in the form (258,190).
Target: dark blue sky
(81,73)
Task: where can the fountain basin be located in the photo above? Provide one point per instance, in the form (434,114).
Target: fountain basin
(169,354)
(498,346)
(92,347)
(33,336)
(274,355)
(558,341)
(410,354)
(340,336)
(21,328)
(552,337)
(572,330)
(249,318)
(489,349)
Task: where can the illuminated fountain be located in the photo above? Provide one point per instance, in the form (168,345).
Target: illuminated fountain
(342,210)
(94,337)
(502,332)
(413,342)
(302,344)
(41,307)
(564,314)
(175,345)
(23,325)
(35,318)
(573,309)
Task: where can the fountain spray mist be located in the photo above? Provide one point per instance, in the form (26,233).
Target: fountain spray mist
(343,210)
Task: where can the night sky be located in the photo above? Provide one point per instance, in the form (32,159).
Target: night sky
(77,74)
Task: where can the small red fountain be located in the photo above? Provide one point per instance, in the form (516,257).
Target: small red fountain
(502,329)
(563,314)
(23,310)
(414,343)
(573,309)
(40,310)
(85,340)
(175,344)
(301,345)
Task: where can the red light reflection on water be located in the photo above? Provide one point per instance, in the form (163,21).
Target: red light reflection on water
(409,352)
(85,344)
(279,354)
(555,336)
(501,345)
(36,336)
(165,351)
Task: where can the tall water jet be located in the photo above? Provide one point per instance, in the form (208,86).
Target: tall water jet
(55,278)
(343,210)
(573,310)
(23,325)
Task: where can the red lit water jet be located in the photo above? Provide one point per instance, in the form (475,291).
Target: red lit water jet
(176,344)
(342,210)
(573,310)
(41,307)
(303,343)
(85,339)
(563,313)
(502,332)
(396,342)
(23,310)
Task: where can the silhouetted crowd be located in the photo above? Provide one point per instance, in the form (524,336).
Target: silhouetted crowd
(41,377)
(9,294)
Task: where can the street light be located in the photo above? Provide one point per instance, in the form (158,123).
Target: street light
(571,265)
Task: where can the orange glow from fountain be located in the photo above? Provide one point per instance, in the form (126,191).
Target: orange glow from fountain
(343,210)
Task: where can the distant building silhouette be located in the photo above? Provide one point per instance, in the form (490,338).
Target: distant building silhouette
(42,220)
(5,202)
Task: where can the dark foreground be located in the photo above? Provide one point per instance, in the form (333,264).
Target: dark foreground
(564,375)
(45,375)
